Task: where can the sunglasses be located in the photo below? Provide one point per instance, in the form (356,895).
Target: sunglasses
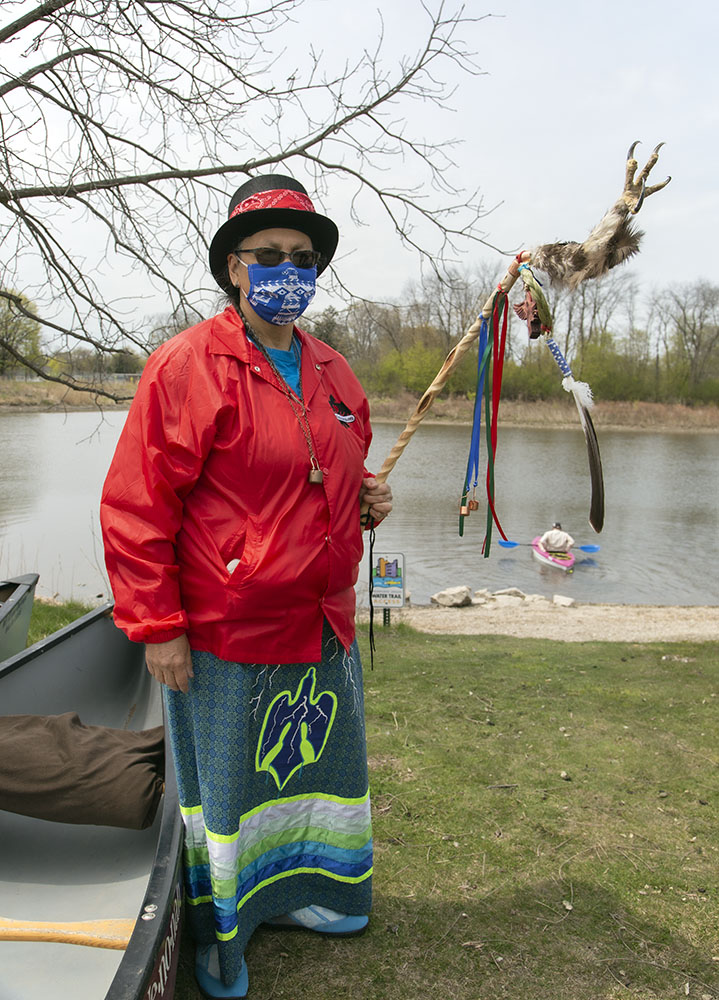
(271,256)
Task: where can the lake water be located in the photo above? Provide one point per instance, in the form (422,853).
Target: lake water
(660,543)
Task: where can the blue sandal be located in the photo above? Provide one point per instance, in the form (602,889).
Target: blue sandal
(207,974)
(321,920)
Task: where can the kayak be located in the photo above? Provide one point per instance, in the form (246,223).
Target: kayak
(562,560)
(67,885)
(16,599)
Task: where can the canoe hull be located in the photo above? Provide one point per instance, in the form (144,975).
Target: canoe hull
(65,872)
(16,599)
(560,560)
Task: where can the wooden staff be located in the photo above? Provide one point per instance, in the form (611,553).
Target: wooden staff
(114,934)
(450,363)
(610,243)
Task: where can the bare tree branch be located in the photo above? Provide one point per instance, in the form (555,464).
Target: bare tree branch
(32,16)
(119,135)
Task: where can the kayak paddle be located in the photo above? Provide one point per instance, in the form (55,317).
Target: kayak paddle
(513,545)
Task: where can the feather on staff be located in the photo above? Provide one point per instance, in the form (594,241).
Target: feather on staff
(536,312)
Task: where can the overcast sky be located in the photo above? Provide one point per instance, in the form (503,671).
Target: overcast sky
(566,88)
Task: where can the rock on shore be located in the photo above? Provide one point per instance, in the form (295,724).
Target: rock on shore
(532,616)
(510,597)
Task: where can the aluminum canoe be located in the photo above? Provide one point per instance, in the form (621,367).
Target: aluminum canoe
(16,597)
(56,872)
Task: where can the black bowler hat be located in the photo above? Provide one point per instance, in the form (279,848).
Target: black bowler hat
(267,202)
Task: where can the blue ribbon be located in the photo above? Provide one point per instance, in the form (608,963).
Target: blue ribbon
(483,356)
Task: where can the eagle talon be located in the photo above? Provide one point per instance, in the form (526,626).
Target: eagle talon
(642,196)
(612,241)
(635,187)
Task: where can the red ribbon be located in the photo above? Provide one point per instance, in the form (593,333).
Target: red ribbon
(498,348)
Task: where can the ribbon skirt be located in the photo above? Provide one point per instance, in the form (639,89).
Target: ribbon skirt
(271,766)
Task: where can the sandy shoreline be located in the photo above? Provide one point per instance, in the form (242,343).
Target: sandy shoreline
(579,623)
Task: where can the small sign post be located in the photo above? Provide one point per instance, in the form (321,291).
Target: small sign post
(388,582)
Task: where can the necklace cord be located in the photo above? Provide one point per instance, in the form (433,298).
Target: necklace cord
(301,414)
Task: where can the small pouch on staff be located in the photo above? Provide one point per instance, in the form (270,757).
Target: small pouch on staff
(54,767)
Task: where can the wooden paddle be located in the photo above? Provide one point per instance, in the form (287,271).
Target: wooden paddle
(113,934)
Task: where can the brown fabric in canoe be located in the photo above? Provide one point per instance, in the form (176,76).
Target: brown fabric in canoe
(55,767)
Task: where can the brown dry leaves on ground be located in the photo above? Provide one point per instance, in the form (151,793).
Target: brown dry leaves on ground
(607,415)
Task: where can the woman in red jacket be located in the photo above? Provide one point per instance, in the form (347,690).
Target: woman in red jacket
(231,521)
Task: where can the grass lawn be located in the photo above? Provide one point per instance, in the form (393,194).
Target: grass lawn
(48,617)
(545,823)
(545,827)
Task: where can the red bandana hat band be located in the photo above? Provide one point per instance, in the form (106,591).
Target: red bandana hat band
(270,201)
(281,198)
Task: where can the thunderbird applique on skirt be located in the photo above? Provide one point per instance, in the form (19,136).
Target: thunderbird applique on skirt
(271,768)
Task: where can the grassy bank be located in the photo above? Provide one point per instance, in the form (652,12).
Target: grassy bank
(563,414)
(544,821)
(48,617)
(50,397)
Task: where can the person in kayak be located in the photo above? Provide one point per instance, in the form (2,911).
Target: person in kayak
(556,540)
(232,525)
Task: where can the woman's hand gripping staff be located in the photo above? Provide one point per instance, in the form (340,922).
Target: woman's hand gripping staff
(375,500)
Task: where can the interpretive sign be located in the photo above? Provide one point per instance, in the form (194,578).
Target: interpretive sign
(388,580)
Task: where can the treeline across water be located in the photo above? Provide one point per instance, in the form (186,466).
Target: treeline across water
(671,355)
(626,345)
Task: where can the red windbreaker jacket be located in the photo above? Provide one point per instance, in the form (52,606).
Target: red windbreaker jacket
(209,522)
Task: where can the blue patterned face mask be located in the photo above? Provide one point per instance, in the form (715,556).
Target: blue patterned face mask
(280,294)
